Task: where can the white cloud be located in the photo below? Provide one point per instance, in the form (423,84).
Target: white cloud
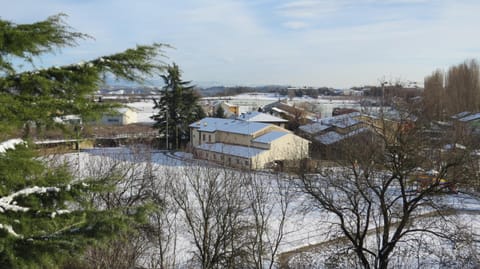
(295,25)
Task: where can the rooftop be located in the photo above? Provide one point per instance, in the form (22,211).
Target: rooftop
(270,137)
(259,117)
(334,137)
(228,125)
(471,117)
(341,121)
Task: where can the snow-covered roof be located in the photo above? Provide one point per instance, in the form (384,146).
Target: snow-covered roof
(270,137)
(334,137)
(329,138)
(228,125)
(259,117)
(10,144)
(314,128)
(234,150)
(471,117)
(461,115)
(341,121)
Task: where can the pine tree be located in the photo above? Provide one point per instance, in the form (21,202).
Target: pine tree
(45,215)
(219,112)
(177,107)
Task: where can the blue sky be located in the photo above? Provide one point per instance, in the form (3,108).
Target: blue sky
(336,43)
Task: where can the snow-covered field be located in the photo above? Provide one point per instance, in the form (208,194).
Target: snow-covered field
(302,228)
(251,102)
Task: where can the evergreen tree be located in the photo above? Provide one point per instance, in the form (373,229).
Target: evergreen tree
(219,112)
(45,215)
(177,107)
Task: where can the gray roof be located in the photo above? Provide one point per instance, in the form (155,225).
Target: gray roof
(260,117)
(314,128)
(329,138)
(341,121)
(461,115)
(471,117)
(270,137)
(234,150)
(228,125)
(334,137)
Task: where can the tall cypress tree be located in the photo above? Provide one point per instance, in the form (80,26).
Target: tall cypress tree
(177,107)
(45,215)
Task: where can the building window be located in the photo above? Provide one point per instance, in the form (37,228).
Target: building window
(238,161)
(246,162)
(204,137)
(209,138)
(221,157)
(229,160)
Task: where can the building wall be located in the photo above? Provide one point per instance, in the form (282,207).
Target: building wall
(288,147)
(234,139)
(224,159)
(129,117)
(122,118)
(198,138)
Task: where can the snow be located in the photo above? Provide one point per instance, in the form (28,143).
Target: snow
(468,118)
(144,111)
(227,125)
(9,229)
(270,137)
(259,117)
(7,203)
(301,229)
(314,128)
(334,137)
(10,144)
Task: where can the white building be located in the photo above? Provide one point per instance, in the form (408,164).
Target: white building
(121,116)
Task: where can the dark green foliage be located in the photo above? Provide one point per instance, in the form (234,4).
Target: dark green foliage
(177,107)
(219,112)
(46,217)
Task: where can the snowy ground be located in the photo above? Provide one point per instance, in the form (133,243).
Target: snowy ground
(302,229)
(251,102)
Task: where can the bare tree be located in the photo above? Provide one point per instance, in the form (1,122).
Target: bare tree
(214,211)
(131,177)
(463,87)
(374,190)
(269,199)
(434,96)
(162,230)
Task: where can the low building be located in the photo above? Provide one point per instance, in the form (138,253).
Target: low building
(121,116)
(230,110)
(328,132)
(244,144)
(255,116)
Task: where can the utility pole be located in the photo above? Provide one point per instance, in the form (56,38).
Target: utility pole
(166,135)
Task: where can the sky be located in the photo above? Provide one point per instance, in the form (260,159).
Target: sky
(331,43)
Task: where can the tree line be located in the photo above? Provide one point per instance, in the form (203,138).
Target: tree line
(452,91)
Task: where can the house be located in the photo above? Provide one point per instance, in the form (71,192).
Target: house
(230,109)
(327,133)
(467,123)
(245,144)
(121,116)
(255,116)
